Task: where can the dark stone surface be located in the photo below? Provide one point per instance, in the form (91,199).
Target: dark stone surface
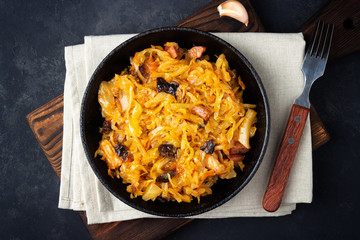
(32,37)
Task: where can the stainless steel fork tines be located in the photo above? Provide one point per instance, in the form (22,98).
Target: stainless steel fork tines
(315,60)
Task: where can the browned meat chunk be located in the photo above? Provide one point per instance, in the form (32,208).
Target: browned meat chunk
(238,148)
(106,127)
(202,112)
(174,50)
(143,70)
(196,52)
(237,158)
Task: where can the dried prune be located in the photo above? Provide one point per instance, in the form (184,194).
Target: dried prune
(208,147)
(122,151)
(164,86)
(167,150)
(164,177)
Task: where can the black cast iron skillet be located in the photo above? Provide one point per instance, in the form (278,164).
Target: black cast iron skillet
(118,60)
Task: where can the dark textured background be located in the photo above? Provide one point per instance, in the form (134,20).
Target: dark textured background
(32,39)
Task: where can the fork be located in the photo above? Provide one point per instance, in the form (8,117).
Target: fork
(313,67)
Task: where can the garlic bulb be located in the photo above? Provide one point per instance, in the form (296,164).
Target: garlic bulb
(234,9)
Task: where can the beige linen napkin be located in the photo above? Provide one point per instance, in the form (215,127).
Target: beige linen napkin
(276,57)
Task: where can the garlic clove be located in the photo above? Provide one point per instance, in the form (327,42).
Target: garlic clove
(234,9)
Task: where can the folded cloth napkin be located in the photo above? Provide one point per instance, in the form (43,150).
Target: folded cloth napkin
(276,57)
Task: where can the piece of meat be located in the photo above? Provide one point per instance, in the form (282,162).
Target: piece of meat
(232,74)
(109,155)
(208,147)
(148,66)
(236,158)
(196,52)
(167,150)
(202,112)
(174,50)
(238,148)
(106,127)
(144,72)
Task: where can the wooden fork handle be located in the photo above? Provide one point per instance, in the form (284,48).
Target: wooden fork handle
(285,158)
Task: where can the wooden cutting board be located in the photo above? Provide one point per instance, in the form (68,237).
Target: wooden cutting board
(46,121)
